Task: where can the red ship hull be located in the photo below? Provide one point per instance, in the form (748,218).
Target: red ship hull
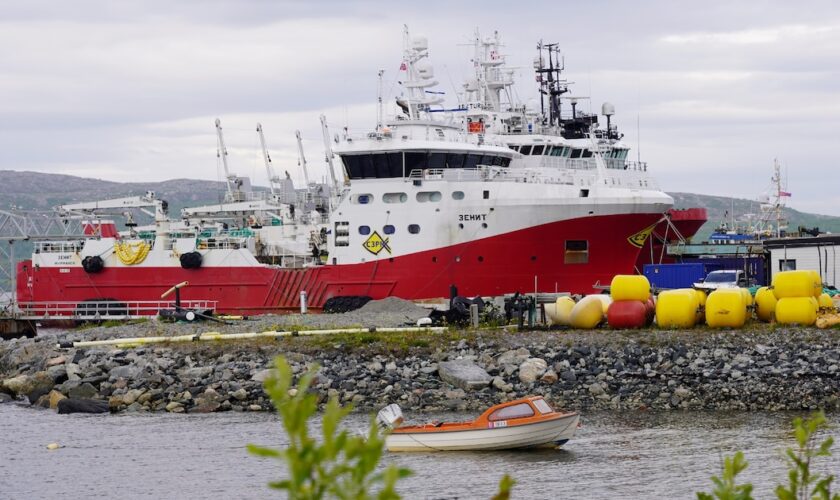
(516,261)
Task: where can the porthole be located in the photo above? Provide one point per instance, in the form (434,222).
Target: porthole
(395,197)
(414,228)
(389,229)
(362,199)
(457,195)
(427,196)
(364,230)
(461,226)
(484,225)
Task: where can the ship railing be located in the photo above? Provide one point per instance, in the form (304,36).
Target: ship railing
(103,310)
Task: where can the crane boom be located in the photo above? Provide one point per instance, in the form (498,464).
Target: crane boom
(222,153)
(272,178)
(302,158)
(92,207)
(328,152)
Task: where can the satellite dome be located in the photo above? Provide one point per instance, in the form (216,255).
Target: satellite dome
(607,109)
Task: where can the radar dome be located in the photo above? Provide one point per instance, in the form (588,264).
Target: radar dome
(425,69)
(420,43)
(607,109)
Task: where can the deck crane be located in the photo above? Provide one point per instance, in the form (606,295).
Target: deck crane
(328,153)
(302,160)
(272,177)
(143,203)
(234,183)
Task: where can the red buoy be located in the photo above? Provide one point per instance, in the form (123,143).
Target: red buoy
(627,314)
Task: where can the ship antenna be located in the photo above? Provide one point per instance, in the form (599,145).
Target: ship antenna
(379,102)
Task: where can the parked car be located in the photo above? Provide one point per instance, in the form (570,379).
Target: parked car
(727,278)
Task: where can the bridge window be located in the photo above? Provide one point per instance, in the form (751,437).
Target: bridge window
(576,153)
(525,150)
(437,160)
(455,160)
(537,151)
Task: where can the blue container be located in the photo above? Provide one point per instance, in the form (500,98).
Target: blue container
(668,276)
(753,267)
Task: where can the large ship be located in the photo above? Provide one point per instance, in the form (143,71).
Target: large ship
(482,199)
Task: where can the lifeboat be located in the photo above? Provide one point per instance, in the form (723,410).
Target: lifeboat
(522,423)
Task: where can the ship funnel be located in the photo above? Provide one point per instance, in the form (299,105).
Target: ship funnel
(390,417)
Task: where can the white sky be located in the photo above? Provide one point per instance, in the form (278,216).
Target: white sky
(128,91)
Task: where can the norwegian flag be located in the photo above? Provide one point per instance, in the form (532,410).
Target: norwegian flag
(785,193)
(403,66)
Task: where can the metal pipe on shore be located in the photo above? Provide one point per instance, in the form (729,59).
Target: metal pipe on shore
(218,336)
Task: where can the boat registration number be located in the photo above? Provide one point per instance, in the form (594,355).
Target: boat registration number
(500,423)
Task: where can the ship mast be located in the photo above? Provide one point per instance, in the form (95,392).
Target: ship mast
(420,75)
(302,160)
(328,153)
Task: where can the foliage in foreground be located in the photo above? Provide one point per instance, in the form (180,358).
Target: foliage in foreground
(803,483)
(341,465)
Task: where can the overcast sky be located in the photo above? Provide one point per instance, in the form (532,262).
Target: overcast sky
(129,90)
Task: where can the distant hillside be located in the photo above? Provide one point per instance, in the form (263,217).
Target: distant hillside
(35,190)
(721,207)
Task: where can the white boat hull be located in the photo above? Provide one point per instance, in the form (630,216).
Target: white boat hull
(551,433)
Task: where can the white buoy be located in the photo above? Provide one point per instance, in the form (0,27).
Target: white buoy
(53,446)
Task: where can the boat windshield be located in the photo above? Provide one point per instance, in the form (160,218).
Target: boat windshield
(521,410)
(542,406)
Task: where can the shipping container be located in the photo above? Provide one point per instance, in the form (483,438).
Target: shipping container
(668,276)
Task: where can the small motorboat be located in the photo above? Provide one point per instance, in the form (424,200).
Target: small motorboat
(523,423)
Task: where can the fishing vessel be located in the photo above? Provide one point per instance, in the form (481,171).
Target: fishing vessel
(522,423)
(483,198)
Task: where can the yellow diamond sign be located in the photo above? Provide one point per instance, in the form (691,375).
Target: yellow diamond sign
(375,244)
(638,239)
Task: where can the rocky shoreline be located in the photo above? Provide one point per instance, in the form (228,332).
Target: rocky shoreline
(764,368)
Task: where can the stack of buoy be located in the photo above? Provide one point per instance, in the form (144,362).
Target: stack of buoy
(632,305)
(727,307)
(797,293)
(678,308)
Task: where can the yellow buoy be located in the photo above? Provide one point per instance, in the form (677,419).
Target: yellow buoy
(726,307)
(630,287)
(677,308)
(748,298)
(765,304)
(605,301)
(796,311)
(562,311)
(797,284)
(701,302)
(587,313)
(825,301)
(701,297)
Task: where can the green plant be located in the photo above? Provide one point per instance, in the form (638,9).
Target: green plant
(726,487)
(802,485)
(342,465)
(802,482)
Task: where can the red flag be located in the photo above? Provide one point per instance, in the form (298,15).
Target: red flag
(784,193)
(403,66)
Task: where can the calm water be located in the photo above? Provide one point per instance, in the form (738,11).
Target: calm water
(630,455)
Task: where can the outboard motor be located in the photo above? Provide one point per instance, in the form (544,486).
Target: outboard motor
(389,417)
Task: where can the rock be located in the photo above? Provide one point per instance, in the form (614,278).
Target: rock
(175,407)
(513,357)
(74,405)
(55,397)
(500,384)
(114,402)
(255,408)
(5,398)
(132,395)
(73,371)
(464,374)
(240,394)
(83,391)
(549,377)
(205,406)
(531,369)
(262,375)
(596,389)
(60,360)
(197,373)
(58,373)
(568,376)
(128,372)
(428,370)
(27,384)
